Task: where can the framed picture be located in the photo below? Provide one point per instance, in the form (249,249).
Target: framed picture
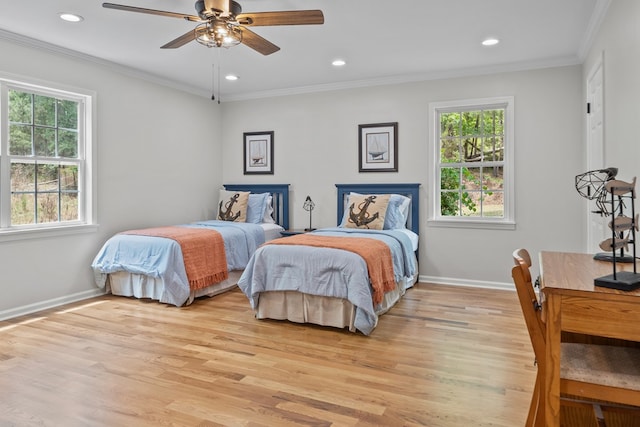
(378,147)
(258,153)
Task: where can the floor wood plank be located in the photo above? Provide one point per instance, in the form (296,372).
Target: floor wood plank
(443,356)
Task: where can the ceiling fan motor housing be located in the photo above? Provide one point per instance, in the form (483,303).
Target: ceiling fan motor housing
(208,8)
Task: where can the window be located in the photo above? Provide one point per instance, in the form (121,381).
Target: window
(46,182)
(471,146)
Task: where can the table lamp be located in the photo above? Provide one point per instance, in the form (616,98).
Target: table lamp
(308,206)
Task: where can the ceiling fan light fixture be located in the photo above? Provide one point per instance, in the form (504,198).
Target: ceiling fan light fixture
(218,34)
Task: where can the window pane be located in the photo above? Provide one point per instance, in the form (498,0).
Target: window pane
(69,178)
(450,150)
(499,122)
(493,149)
(472,148)
(493,204)
(471,203)
(450,178)
(471,123)
(22,208)
(67,114)
(449,124)
(47,207)
(47,177)
(19,107)
(20,140)
(44,110)
(69,207)
(44,141)
(23,177)
(492,178)
(471,178)
(67,143)
(449,203)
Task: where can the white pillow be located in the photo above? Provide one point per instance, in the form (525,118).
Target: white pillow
(268,212)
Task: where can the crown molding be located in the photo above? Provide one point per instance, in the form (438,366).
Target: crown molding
(409,78)
(599,12)
(122,69)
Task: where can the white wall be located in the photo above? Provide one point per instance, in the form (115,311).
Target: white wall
(158,152)
(316,139)
(618,43)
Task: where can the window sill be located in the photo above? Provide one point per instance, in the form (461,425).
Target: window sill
(39,233)
(472,223)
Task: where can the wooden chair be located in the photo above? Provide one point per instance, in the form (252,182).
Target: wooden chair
(600,373)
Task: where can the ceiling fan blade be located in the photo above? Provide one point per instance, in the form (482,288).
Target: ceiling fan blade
(291,17)
(151,11)
(258,43)
(180,41)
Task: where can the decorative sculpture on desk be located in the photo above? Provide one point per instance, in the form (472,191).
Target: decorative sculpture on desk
(592,185)
(308,206)
(623,233)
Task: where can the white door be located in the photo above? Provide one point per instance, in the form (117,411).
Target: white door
(597,228)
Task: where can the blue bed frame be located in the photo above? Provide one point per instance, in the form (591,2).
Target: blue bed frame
(280,193)
(409,190)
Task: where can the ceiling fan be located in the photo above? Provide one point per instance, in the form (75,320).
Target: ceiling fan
(222,24)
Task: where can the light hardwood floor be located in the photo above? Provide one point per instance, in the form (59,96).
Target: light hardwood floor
(443,356)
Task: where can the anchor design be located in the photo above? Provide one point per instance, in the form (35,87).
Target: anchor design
(363,218)
(228,215)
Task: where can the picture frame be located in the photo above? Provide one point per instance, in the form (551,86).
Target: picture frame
(378,147)
(258,153)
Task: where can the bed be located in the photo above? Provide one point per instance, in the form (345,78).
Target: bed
(331,286)
(146,264)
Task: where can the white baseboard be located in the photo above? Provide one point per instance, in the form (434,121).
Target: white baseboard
(56,302)
(467,283)
(44,305)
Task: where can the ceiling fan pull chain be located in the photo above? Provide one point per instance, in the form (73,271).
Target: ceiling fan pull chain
(213,81)
(219,60)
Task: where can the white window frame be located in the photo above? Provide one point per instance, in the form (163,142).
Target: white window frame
(434,216)
(87,214)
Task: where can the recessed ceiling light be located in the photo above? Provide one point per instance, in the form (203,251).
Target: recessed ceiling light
(231,77)
(70,17)
(490,42)
(338,62)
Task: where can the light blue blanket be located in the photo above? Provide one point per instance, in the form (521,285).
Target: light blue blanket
(161,258)
(326,271)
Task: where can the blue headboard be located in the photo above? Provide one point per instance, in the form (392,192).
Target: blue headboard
(280,193)
(409,190)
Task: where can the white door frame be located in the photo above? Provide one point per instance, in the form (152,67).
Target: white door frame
(596,224)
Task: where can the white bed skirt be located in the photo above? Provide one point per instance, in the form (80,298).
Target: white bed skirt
(320,310)
(141,286)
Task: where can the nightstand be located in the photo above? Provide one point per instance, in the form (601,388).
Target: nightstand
(292,232)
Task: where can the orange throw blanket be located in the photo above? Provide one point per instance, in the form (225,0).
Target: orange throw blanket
(376,254)
(202,250)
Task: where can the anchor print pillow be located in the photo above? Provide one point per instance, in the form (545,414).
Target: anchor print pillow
(233,206)
(367,211)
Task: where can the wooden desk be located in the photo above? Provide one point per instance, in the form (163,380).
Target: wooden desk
(572,303)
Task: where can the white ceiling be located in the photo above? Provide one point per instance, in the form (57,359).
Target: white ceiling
(383,41)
